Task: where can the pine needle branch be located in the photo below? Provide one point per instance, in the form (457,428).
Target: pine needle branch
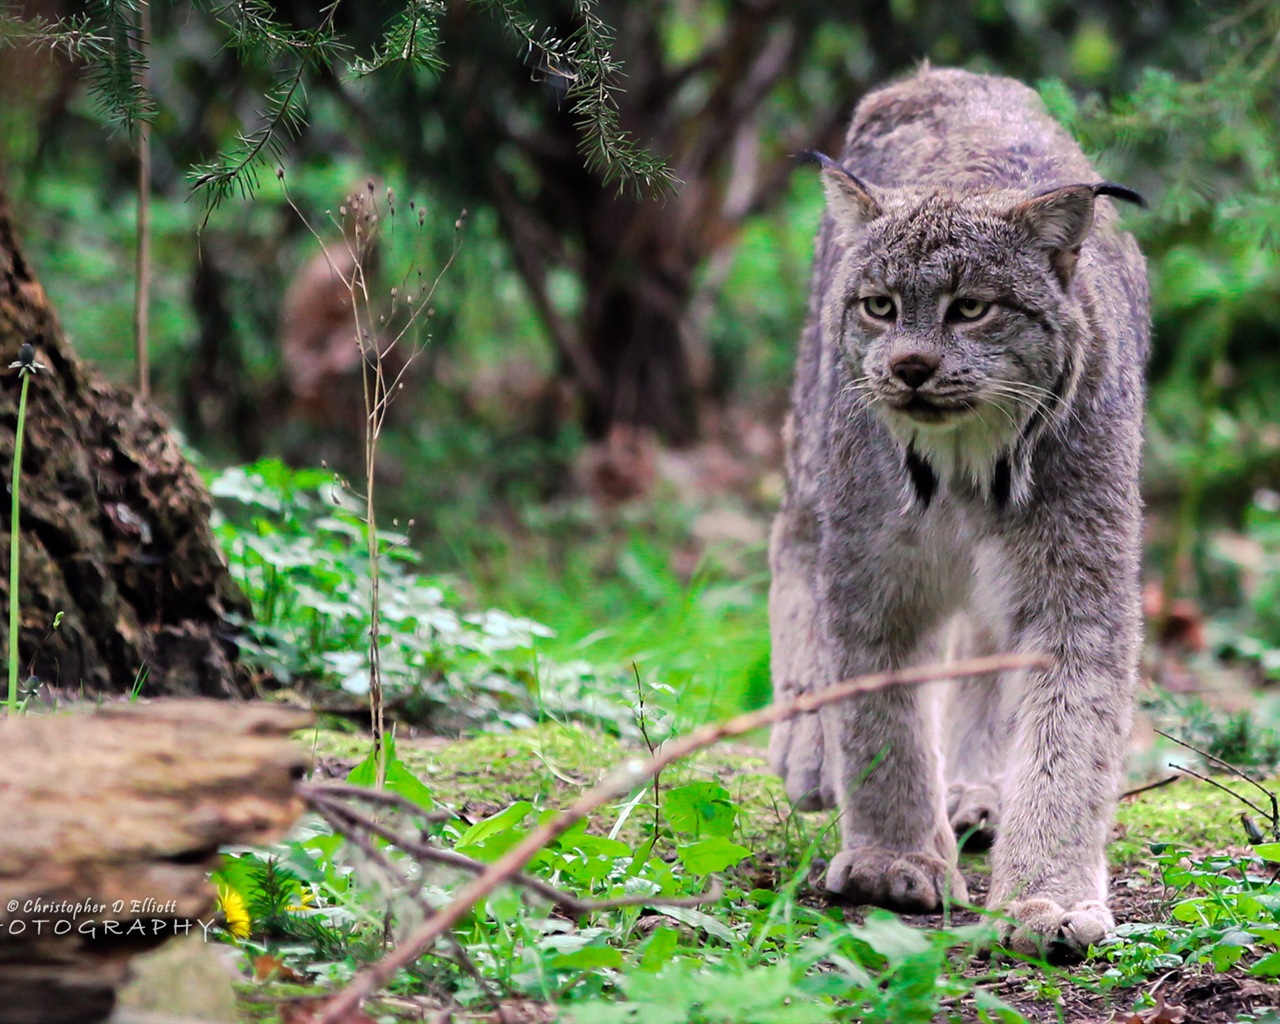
(283,114)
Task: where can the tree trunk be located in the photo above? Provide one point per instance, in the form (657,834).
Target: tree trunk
(115,524)
(638,290)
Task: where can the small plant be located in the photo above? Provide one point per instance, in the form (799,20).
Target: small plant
(1223,910)
(27,367)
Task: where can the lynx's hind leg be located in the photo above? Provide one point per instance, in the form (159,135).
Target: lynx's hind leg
(974,739)
(795,746)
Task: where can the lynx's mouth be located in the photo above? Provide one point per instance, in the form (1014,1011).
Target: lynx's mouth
(922,410)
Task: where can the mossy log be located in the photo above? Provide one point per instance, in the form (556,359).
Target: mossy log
(111,823)
(115,523)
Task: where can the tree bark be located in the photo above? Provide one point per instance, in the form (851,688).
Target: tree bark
(114,524)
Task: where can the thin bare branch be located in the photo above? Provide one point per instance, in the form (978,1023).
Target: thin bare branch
(1225,765)
(413,891)
(1160,784)
(1226,789)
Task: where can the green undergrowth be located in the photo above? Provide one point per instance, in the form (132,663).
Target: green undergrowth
(564,616)
(768,949)
(553,761)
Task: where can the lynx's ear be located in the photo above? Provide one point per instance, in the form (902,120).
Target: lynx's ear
(849,199)
(1060,220)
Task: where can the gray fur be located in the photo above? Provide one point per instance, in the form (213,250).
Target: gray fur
(1012,524)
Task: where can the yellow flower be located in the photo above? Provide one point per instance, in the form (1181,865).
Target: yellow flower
(303,900)
(234,911)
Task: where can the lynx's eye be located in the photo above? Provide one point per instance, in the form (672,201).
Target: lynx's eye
(969,309)
(879,306)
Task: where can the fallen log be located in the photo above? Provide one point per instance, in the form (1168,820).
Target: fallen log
(109,824)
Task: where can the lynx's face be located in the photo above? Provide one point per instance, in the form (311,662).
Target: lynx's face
(950,320)
(954,314)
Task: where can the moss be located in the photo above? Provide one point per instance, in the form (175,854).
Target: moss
(1188,812)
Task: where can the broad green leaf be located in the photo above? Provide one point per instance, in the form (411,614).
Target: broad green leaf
(1267,967)
(1268,851)
(700,808)
(659,948)
(492,825)
(399,779)
(710,855)
(587,959)
(697,919)
(893,940)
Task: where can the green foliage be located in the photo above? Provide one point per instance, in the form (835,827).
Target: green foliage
(1223,910)
(300,554)
(619,598)
(107,39)
(257,35)
(320,907)
(1258,634)
(1236,737)
(412,39)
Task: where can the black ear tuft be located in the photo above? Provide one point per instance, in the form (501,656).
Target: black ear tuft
(1110,188)
(849,199)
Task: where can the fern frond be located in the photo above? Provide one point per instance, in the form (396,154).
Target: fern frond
(73,36)
(585,66)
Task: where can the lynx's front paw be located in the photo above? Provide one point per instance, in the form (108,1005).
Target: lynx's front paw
(973,810)
(910,883)
(1042,927)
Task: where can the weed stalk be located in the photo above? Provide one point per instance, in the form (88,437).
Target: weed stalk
(376,336)
(26,366)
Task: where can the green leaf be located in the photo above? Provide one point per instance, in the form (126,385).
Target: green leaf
(659,948)
(1267,967)
(701,808)
(399,779)
(697,919)
(1224,955)
(892,939)
(587,959)
(1268,851)
(709,855)
(366,772)
(500,822)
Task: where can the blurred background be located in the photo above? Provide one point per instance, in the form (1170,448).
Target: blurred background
(588,434)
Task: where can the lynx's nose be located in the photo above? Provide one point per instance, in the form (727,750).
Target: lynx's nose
(913,370)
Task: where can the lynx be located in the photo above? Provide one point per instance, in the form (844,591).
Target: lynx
(963,456)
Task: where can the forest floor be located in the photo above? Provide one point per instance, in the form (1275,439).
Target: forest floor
(551,763)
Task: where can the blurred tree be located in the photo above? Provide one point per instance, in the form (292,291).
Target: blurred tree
(511,104)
